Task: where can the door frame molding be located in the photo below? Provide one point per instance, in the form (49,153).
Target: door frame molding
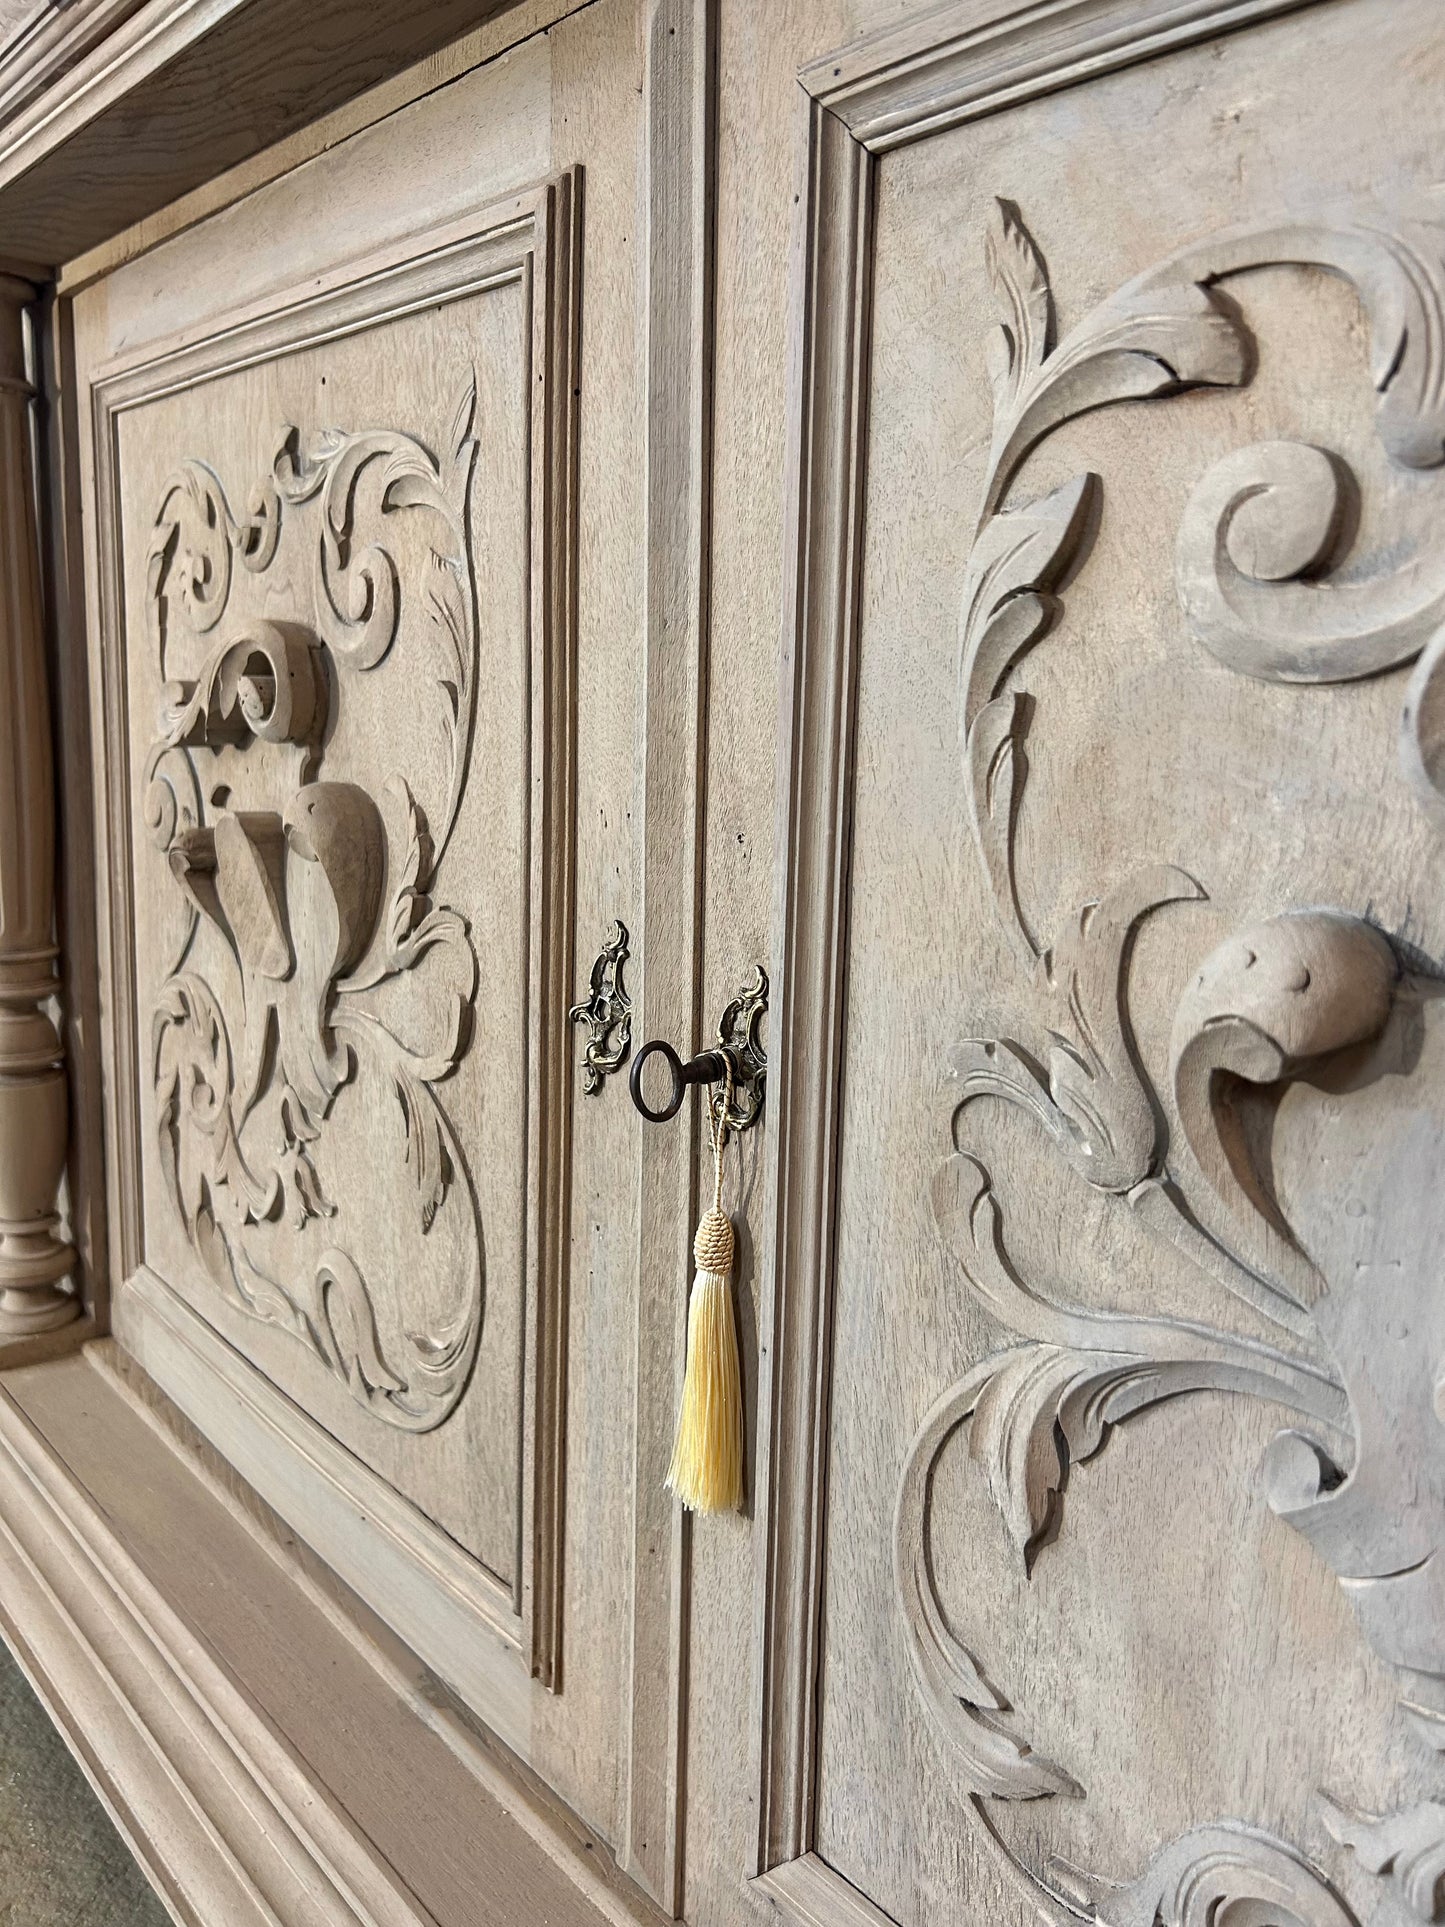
(681,124)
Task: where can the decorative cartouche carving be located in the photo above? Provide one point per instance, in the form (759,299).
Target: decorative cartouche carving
(607,1012)
(1294,1034)
(321,892)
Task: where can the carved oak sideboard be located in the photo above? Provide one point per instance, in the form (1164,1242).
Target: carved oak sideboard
(519,521)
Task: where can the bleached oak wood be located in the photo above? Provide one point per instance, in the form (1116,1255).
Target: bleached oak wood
(139,1700)
(815,738)
(413,1575)
(43,41)
(528,242)
(807,1890)
(77,900)
(390,1665)
(344,231)
(496,39)
(1094,1452)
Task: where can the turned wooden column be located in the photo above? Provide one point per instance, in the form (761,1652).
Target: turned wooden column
(34,1260)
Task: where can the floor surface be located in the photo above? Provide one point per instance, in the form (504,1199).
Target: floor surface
(62,1863)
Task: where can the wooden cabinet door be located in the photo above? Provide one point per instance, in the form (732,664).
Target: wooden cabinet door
(362,460)
(1102,1570)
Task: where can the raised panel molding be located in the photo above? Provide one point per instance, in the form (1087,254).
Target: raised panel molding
(1291,998)
(322,904)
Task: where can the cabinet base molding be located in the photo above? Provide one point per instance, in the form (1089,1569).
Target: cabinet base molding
(405,1567)
(268,1757)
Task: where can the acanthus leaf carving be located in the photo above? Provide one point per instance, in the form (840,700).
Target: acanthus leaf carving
(1094,1103)
(1150,339)
(1258,572)
(1258,546)
(1033,1411)
(1158,335)
(1393,259)
(1026,307)
(1422,728)
(194,538)
(1276,608)
(1008,606)
(994,1757)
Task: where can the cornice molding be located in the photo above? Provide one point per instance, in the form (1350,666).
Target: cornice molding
(113,109)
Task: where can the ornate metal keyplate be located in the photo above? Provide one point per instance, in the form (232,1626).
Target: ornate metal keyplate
(607,1013)
(739,1034)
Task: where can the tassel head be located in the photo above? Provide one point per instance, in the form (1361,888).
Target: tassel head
(713,1246)
(707,1459)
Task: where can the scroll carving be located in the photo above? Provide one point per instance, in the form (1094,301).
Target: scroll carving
(1295,1032)
(1261,538)
(322,894)
(1408,1848)
(1224,1875)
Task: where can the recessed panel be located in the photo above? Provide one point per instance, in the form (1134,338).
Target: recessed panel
(330,535)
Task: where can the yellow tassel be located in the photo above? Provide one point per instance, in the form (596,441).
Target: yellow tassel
(707,1460)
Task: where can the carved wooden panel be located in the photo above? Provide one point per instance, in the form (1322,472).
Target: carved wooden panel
(1104,1471)
(334,569)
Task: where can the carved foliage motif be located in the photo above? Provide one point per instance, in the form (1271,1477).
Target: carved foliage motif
(321,893)
(1287,1006)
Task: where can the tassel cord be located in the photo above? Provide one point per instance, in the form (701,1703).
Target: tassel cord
(717,1115)
(707,1459)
